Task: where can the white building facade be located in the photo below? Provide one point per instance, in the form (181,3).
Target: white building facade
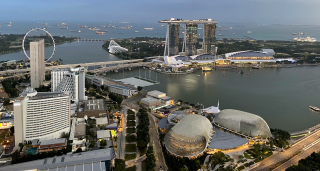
(70,80)
(37,67)
(121,90)
(42,116)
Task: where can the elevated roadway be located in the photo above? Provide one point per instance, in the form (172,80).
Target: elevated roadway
(49,68)
(303,147)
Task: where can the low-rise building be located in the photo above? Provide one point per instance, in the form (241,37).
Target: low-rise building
(94,80)
(97,160)
(121,90)
(150,102)
(103,135)
(156,94)
(102,121)
(250,57)
(54,144)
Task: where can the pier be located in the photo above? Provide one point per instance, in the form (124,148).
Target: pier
(304,132)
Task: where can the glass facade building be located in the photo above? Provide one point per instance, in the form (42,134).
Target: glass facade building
(210,38)
(174,29)
(191,38)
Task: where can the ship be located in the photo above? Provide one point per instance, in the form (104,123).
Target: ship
(314,108)
(120,32)
(75,31)
(256,66)
(111,26)
(249,31)
(100,32)
(294,33)
(45,24)
(55,25)
(94,28)
(224,29)
(64,24)
(162,25)
(63,27)
(9,25)
(206,68)
(306,39)
(136,31)
(230,28)
(83,26)
(148,28)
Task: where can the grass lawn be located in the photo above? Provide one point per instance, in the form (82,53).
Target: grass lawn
(130,147)
(131,123)
(130,111)
(130,156)
(131,130)
(144,166)
(131,138)
(131,117)
(133,168)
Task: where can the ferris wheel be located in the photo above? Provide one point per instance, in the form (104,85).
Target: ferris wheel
(36,29)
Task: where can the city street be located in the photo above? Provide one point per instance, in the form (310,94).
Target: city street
(276,158)
(121,144)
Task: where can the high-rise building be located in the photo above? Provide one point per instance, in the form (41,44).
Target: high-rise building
(174,29)
(191,38)
(71,80)
(37,66)
(42,116)
(209,38)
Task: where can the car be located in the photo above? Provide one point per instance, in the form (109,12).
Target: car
(161,169)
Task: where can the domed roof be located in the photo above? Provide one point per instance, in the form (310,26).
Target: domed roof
(189,137)
(243,122)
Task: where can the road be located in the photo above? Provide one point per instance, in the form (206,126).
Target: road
(277,158)
(153,131)
(121,144)
(155,142)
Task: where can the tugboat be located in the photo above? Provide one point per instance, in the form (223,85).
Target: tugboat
(314,108)
(255,66)
(206,68)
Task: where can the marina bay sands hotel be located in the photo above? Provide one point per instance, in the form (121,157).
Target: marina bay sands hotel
(190,37)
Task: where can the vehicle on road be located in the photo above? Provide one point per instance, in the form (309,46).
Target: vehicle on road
(161,169)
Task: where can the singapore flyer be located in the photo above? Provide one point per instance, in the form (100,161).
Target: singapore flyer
(35,29)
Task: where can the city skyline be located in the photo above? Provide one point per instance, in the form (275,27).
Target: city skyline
(266,12)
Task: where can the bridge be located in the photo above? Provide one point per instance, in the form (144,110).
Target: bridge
(96,40)
(116,67)
(86,65)
(306,131)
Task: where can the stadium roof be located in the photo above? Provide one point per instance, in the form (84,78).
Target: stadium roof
(243,122)
(248,53)
(201,21)
(189,137)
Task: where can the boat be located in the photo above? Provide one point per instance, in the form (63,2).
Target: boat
(255,66)
(224,29)
(306,39)
(294,33)
(55,25)
(75,31)
(182,33)
(9,25)
(314,108)
(248,74)
(199,28)
(198,75)
(230,28)
(64,24)
(162,25)
(136,31)
(206,68)
(63,27)
(148,28)
(224,75)
(120,32)
(83,26)
(100,32)
(45,24)
(249,31)
(241,72)
(94,28)
(234,33)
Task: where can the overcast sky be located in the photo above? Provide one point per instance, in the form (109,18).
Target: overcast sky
(242,11)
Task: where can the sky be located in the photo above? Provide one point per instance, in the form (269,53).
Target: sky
(240,11)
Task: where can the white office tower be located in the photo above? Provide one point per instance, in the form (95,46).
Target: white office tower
(42,116)
(37,67)
(71,80)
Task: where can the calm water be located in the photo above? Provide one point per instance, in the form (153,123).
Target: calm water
(71,53)
(259,31)
(280,96)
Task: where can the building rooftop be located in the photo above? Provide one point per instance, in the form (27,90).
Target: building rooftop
(156,93)
(53,141)
(201,21)
(118,86)
(166,98)
(101,134)
(248,53)
(80,130)
(223,140)
(97,104)
(85,161)
(102,121)
(163,123)
(148,99)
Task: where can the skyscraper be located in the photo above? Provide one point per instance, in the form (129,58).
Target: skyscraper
(191,38)
(174,29)
(70,80)
(42,116)
(37,67)
(209,38)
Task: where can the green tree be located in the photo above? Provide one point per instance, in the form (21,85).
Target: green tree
(150,160)
(79,150)
(119,100)
(119,165)
(140,88)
